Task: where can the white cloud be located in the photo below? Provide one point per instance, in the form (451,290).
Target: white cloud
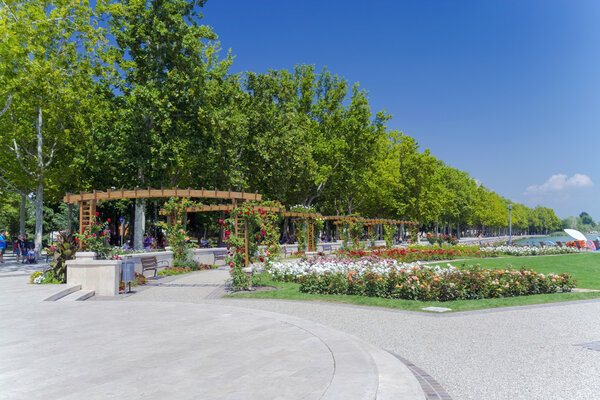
(560,182)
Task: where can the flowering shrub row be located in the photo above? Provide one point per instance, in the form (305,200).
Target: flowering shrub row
(427,284)
(389,278)
(183,267)
(529,251)
(412,254)
(439,239)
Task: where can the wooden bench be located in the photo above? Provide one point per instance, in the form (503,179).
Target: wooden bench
(151,263)
(326,247)
(219,255)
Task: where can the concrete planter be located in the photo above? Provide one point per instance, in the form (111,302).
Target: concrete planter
(101,276)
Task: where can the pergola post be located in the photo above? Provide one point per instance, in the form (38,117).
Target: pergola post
(310,235)
(237,220)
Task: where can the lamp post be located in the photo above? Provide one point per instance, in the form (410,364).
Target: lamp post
(509,223)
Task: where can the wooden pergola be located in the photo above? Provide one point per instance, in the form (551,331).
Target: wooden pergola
(308,217)
(88,201)
(369,223)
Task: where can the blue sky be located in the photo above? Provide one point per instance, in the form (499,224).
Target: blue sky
(506,90)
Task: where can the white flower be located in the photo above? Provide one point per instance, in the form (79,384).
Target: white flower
(529,251)
(340,265)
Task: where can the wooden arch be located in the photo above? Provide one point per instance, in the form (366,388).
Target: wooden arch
(308,217)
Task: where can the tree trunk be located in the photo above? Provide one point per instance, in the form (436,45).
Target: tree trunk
(140,224)
(22,215)
(350,208)
(39,193)
(39,219)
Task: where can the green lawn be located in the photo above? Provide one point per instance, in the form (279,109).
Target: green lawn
(584,267)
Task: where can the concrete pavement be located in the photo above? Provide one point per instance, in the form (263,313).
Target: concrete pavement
(180,350)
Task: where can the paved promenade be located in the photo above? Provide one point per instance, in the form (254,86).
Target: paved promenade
(512,353)
(177,339)
(149,349)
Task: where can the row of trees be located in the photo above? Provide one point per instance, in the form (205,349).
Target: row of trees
(583,223)
(138,93)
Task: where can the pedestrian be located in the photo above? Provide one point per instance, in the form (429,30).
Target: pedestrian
(2,245)
(20,248)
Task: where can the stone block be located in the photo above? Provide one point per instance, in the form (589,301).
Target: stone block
(101,276)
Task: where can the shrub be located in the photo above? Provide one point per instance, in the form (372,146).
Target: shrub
(421,253)
(430,284)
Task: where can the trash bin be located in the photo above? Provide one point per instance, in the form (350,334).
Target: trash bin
(128,273)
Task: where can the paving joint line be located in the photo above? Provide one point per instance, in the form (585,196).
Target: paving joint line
(432,388)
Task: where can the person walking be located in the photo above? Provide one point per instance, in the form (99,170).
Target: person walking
(2,245)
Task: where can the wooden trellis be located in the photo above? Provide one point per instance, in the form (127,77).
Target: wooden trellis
(239,227)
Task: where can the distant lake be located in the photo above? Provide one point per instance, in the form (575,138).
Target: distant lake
(536,241)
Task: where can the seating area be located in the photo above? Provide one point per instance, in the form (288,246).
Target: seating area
(151,263)
(219,255)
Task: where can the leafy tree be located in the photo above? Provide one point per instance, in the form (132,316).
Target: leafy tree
(49,58)
(311,138)
(419,185)
(586,219)
(167,65)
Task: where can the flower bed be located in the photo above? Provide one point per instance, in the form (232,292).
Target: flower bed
(184,267)
(291,272)
(529,251)
(412,254)
(413,281)
(41,277)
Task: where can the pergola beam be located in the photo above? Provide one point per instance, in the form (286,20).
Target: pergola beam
(224,207)
(158,193)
